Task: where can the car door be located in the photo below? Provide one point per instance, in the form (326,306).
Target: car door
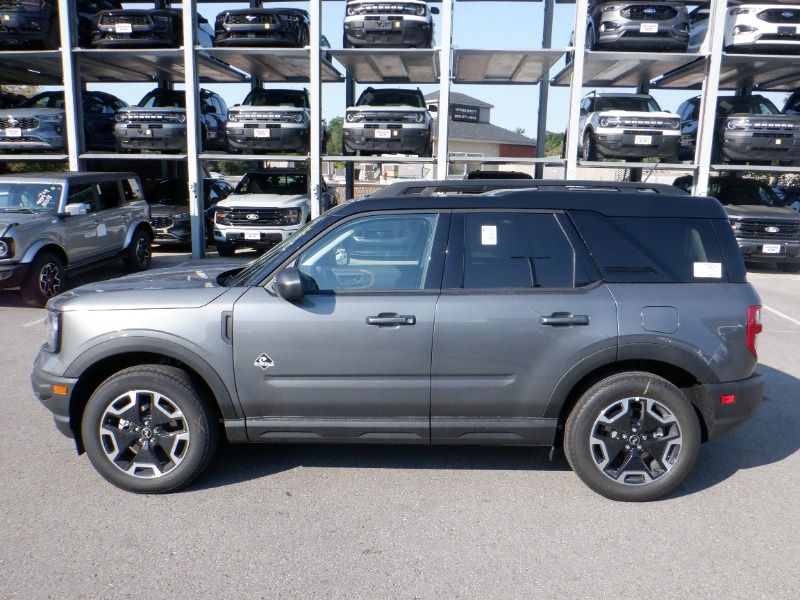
(351,360)
(521,304)
(81,231)
(112,217)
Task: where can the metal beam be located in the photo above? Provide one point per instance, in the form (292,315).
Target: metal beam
(544,89)
(315,92)
(73,104)
(445,59)
(576,90)
(193,143)
(349,100)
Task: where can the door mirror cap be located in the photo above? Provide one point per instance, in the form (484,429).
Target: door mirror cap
(434,10)
(289,285)
(75,209)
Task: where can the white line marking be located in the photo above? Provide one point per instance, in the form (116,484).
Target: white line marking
(780,314)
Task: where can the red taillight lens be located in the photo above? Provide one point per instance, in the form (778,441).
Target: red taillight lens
(754,327)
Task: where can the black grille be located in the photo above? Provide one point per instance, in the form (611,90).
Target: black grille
(773,126)
(779,37)
(649,12)
(780,15)
(266,217)
(252,19)
(787,230)
(161,222)
(24,123)
(123,19)
(384,117)
(385,8)
(16,140)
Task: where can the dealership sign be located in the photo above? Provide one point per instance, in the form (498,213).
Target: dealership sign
(468,114)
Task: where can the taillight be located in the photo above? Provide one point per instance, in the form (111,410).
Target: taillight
(754,327)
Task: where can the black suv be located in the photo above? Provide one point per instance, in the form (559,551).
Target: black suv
(262,27)
(159,122)
(621,328)
(766,230)
(746,129)
(145,28)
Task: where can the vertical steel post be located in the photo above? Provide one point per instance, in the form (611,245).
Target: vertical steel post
(544,89)
(576,89)
(708,100)
(315,128)
(73,100)
(349,100)
(445,59)
(193,144)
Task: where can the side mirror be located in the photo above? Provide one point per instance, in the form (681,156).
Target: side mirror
(289,285)
(434,10)
(210,108)
(433,108)
(75,209)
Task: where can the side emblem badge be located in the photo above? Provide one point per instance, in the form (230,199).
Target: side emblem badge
(264,362)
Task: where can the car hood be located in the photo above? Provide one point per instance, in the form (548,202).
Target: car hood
(662,114)
(31,112)
(265,108)
(755,211)
(156,110)
(177,287)
(14,219)
(265,200)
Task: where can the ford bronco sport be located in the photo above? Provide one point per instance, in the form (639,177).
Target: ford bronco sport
(401,23)
(54,223)
(619,325)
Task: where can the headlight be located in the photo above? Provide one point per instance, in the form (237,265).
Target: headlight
(6,247)
(610,7)
(420,11)
(119,118)
(353,117)
(739,124)
(414,118)
(741,11)
(298,117)
(610,121)
(53,343)
(735,225)
(222,217)
(351,11)
(740,29)
(50,117)
(292,216)
(181,216)
(674,123)
(232,116)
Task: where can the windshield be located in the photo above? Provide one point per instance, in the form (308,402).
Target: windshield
(285,99)
(744,192)
(391,98)
(29,197)
(160,99)
(45,100)
(170,192)
(290,184)
(629,104)
(753,105)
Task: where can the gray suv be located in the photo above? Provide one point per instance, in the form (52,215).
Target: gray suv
(621,328)
(648,25)
(54,223)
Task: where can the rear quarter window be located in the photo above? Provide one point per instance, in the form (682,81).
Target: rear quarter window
(660,250)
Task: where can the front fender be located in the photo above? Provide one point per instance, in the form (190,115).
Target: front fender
(132,229)
(34,248)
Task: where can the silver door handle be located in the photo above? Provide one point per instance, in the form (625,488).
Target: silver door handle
(561,319)
(391,319)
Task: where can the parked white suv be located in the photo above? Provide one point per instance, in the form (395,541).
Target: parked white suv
(627,126)
(401,23)
(266,207)
(762,27)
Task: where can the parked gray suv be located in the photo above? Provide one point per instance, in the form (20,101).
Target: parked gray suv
(620,327)
(55,223)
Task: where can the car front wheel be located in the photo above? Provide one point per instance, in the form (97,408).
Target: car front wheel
(149,430)
(45,279)
(139,252)
(633,437)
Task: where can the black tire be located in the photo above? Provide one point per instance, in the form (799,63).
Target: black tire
(591,38)
(345,42)
(122,413)
(428,150)
(226,249)
(304,38)
(789,267)
(618,429)
(45,279)
(139,252)
(589,146)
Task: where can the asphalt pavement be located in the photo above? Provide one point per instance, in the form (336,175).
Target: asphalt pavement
(402,522)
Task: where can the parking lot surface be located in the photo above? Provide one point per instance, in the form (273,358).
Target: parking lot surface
(402,522)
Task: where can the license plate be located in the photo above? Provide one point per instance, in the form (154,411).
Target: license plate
(123,28)
(648,28)
(643,140)
(261,133)
(383,134)
(252,235)
(771,249)
(14,132)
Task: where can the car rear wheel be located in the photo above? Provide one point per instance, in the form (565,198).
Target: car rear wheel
(589,146)
(139,253)
(45,279)
(226,249)
(633,437)
(149,430)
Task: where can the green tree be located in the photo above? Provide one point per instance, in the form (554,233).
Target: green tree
(553,143)
(335,132)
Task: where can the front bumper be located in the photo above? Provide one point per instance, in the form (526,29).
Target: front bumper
(245,236)
(58,404)
(721,418)
(24,29)
(753,250)
(400,140)
(232,35)
(670,35)
(48,136)
(745,146)
(13,274)
(253,137)
(161,136)
(616,145)
(408,31)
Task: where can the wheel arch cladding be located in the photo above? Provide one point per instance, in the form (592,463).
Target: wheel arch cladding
(93,368)
(575,384)
(44,246)
(139,224)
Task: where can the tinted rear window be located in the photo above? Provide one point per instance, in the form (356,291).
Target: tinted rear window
(657,250)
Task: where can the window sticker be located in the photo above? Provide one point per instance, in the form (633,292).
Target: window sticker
(101,229)
(489,235)
(708,270)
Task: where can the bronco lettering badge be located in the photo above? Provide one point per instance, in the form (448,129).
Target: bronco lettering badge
(264,362)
